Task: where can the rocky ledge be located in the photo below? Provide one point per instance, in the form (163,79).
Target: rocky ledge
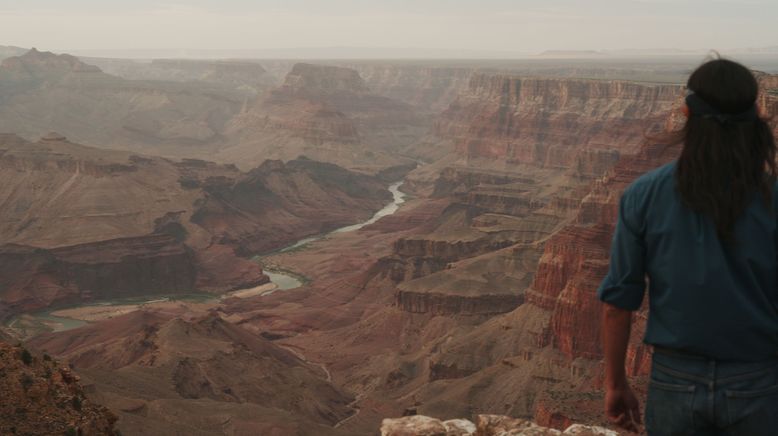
(485,425)
(42,397)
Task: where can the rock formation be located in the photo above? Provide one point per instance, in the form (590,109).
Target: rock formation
(41,396)
(540,121)
(326,113)
(169,372)
(528,149)
(486,425)
(83,224)
(41,91)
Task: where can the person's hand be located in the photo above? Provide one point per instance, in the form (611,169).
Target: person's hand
(622,408)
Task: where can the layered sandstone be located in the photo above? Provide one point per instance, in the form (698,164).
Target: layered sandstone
(326,113)
(83,224)
(36,278)
(554,123)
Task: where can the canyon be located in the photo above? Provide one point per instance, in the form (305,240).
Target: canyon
(81,223)
(475,297)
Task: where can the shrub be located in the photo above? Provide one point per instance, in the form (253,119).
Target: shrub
(26,381)
(26,357)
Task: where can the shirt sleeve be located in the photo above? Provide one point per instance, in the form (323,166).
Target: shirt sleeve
(625,284)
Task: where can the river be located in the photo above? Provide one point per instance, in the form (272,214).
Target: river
(398,198)
(45,320)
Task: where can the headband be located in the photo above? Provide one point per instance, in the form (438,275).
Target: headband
(700,108)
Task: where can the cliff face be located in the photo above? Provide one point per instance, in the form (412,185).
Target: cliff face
(553,123)
(430,88)
(80,224)
(278,202)
(326,113)
(576,259)
(323,79)
(42,397)
(37,278)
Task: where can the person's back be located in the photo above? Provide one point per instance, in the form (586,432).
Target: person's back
(703,230)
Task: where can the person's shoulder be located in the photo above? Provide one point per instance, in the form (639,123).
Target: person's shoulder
(657,178)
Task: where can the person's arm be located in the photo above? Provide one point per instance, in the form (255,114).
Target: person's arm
(621,406)
(622,291)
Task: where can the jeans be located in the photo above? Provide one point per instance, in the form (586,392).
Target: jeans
(694,395)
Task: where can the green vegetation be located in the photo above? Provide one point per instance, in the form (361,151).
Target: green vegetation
(26,357)
(26,381)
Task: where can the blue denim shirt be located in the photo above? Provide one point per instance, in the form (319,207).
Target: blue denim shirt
(706,297)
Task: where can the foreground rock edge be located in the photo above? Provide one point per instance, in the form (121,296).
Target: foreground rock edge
(486,425)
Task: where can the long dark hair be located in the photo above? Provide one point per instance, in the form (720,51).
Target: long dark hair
(728,152)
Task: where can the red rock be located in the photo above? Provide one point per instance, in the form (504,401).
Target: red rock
(39,398)
(540,121)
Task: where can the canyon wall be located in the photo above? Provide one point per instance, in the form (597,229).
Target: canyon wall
(41,91)
(539,121)
(430,88)
(326,113)
(35,278)
(84,224)
(527,150)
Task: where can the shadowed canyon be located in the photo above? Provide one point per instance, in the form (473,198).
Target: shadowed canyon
(310,247)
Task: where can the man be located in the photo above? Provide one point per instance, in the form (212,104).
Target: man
(703,230)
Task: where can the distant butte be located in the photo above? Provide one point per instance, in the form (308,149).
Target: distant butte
(53,137)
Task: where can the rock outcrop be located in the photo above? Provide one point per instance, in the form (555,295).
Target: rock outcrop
(485,425)
(326,113)
(41,396)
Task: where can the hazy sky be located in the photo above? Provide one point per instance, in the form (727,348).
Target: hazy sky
(496,25)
